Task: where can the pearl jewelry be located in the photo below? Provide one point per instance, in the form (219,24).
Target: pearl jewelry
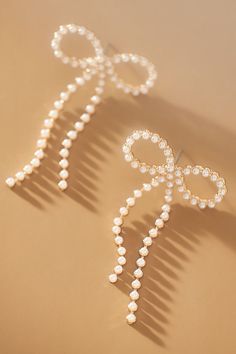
(138,273)
(121,251)
(10,181)
(132,306)
(134,295)
(64,174)
(28,169)
(119,240)
(131,318)
(113,278)
(62,184)
(136,284)
(20,176)
(121,260)
(124,211)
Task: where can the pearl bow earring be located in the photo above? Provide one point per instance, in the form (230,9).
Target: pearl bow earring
(172,175)
(100,65)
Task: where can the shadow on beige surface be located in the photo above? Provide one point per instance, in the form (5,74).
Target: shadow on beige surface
(204,141)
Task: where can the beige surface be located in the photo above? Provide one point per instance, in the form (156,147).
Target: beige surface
(57,249)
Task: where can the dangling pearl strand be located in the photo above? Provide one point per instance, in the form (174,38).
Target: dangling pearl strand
(147,241)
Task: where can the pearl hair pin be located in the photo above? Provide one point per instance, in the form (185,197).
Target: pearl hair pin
(172,176)
(103,67)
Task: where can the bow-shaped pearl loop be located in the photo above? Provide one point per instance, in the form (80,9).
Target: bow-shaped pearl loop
(100,65)
(173,176)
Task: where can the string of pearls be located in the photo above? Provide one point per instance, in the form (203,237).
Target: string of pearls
(100,65)
(173,176)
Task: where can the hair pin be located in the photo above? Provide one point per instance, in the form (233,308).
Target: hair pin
(173,176)
(103,67)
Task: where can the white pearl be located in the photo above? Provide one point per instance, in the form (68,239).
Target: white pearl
(64,163)
(72,87)
(137,193)
(72,134)
(124,211)
(79,126)
(85,117)
(132,306)
(64,153)
(134,295)
(118,221)
(147,241)
(130,201)
(165,216)
(119,240)
(28,169)
(99,90)
(62,185)
(159,223)
(96,99)
(35,162)
(10,181)
(48,123)
(90,108)
(41,143)
(168,198)
(20,176)
(39,154)
(138,273)
(121,260)
(116,229)
(143,251)
(153,233)
(118,269)
(121,251)
(58,104)
(131,318)
(67,143)
(80,81)
(64,96)
(166,207)
(53,114)
(136,284)
(45,133)
(113,278)
(140,262)
(64,174)
(147,187)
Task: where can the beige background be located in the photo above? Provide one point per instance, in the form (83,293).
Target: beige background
(56,249)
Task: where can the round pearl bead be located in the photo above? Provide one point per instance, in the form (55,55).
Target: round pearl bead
(136,284)
(64,153)
(85,117)
(159,223)
(72,87)
(147,187)
(116,229)
(137,193)
(121,251)
(143,251)
(124,211)
(62,185)
(118,269)
(41,143)
(53,114)
(96,99)
(118,221)
(80,81)
(153,233)
(119,240)
(90,109)
(131,318)
(165,216)
(147,241)
(121,260)
(134,295)
(113,278)
(130,201)
(64,174)
(58,104)
(20,176)
(140,262)
(64,96)
(48,123)
(166,207)
(72,134)
(10,181)
(28,169)
(99,90)
(79,126)
(39,154)
(67,143)
(132,306)
(64,163)
(35,162)
(138,273)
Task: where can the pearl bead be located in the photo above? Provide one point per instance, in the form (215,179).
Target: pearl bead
(28,169)
(119,240)
(137,193)
(159,223)
(138,273)
(140,262)
(64,96)
(134,295)
(72,134)
(85,117)
(121,260)
(80,81)
(116,229)
(10,181)
(72,87)
(90,108)
(48,123)
(131,318)
(166,207)
(35,162)
(96,99)
(153,233)
(39,154)
(165,216)
(41,143)
(147,241)
(79,126)
(67,143)
(113,278)
(58,104)
(62,185)
(64,174)
(121,251)
(64,163)
(118,221)
(168,198)
(143,251)
(147,187)
(20,176)
(99,90)
(136,284)
(130,201)
(45,133)
(64,153)
(53,114)
(133,306)
(124,211)
(118,269)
